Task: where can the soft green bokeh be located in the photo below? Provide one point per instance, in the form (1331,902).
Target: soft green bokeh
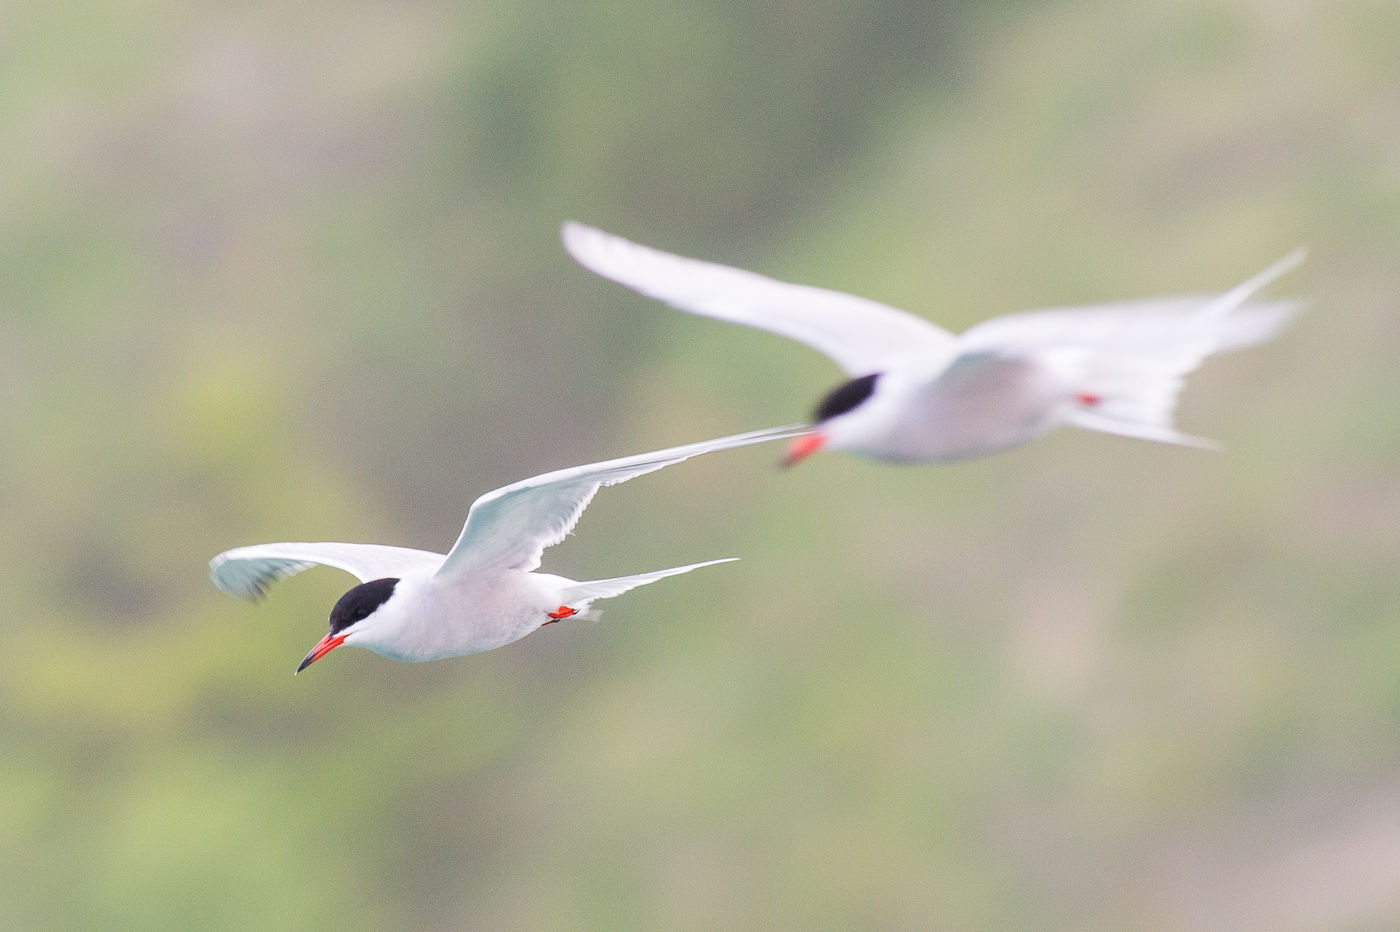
(276,273)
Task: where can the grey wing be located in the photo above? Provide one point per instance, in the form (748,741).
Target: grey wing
(511,527)
(1189,327)
(1153,327)
(247,572)
(1132,357)
(860,335)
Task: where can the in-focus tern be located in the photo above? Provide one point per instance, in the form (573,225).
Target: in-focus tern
(483,594)
(918,393)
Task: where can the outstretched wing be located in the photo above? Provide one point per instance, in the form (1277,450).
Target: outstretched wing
(511,527)
(860,335)
(1195,326)
(247,572)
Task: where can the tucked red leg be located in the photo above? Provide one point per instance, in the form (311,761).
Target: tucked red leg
(559,614)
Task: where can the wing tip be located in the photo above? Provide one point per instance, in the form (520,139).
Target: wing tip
(247,583)
(253,590)
(584,242)
(570,230)
(1283,266)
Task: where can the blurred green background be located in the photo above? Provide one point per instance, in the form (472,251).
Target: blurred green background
(274,272)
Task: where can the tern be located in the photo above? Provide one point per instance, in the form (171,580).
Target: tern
(918,393)
(417,605)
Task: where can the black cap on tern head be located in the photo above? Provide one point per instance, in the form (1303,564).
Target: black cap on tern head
(360,602)
(846,397)
(354,606)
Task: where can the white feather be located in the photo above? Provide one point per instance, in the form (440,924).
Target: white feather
(511,527)
(860,335)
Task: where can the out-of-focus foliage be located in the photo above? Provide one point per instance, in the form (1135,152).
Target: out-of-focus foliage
(272,272)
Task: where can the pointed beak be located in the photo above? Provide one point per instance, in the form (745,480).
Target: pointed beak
(323,647)
(803,447)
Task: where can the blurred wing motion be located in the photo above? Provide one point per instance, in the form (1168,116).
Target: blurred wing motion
(862,336)
(1129,359)
(511,527)
(1210,324)
(247,572)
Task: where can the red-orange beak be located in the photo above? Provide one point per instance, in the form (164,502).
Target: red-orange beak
(803,447)
(323,647)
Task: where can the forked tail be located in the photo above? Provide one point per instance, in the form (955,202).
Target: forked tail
(1129,380)
(580,594)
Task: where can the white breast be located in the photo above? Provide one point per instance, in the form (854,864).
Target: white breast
(437,619)
(980,404)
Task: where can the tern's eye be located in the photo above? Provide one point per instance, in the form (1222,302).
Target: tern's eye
(361,602)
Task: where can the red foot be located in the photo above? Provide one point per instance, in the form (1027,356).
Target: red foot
(1089,398)
(559,614)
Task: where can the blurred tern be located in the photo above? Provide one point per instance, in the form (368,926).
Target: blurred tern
(483,594)
(918,393)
